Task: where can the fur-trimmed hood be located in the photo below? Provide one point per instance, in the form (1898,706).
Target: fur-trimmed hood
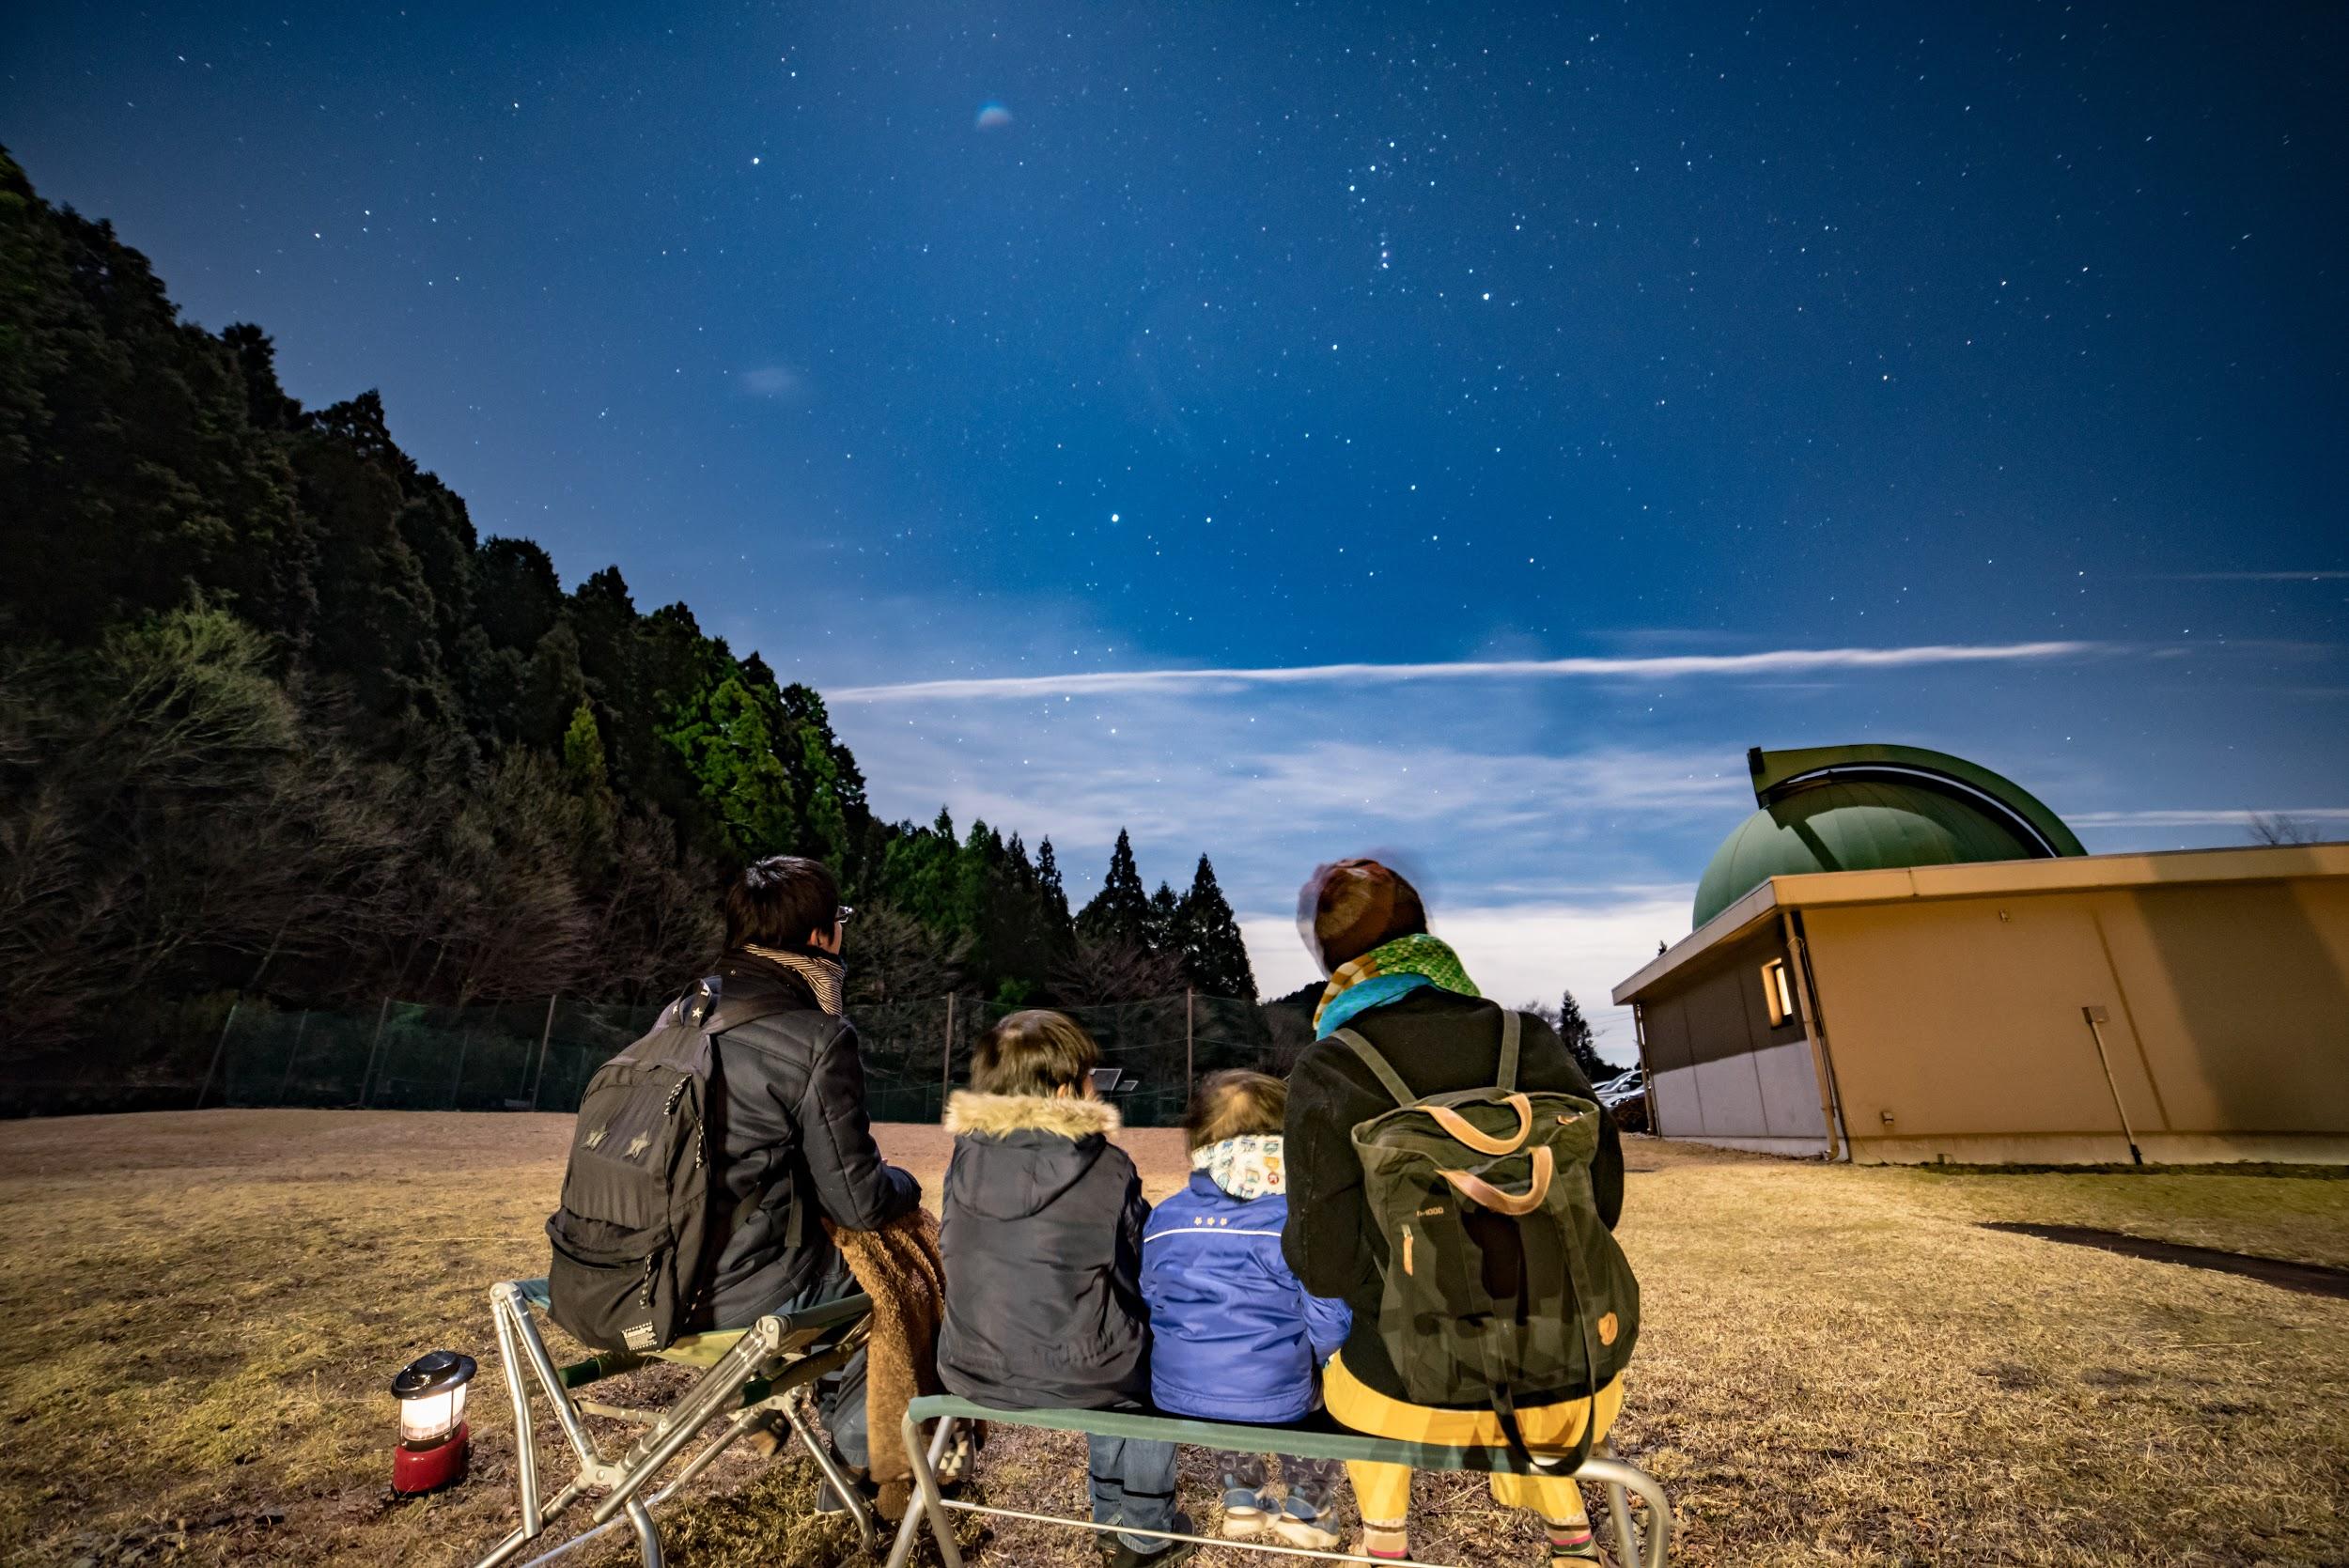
(1015,1154)
(997,1115)
(1040,1223)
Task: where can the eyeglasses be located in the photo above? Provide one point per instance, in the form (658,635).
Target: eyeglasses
(841,914)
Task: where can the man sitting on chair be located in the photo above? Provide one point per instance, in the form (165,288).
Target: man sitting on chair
(786,1126)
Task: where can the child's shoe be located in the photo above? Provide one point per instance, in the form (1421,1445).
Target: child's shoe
(1311,1535)
(1245,1516)
(1385,1540)
(1575,1547)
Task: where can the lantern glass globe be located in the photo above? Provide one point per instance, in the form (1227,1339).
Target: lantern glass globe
(431,1394)
(430,1418)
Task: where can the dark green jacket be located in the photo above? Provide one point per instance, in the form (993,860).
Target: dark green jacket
(1439,1041)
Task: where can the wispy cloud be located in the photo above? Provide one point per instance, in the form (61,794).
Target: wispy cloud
(1519,952)
(1667,667)
(2190,817)
(2327,575)
(774,380)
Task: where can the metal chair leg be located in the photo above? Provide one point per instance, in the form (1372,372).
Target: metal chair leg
(1616,1476)
(703,1402)
(933,1505)
(647,1538)
(525,1437)
(841,1485)
(1618,1509)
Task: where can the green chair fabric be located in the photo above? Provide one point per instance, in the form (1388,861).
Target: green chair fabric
(1316,1439)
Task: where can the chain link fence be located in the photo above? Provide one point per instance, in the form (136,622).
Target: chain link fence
(539,1055)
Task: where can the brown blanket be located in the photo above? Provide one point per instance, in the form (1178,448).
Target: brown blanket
(898,1266)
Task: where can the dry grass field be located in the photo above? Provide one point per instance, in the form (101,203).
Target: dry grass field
(199,1315)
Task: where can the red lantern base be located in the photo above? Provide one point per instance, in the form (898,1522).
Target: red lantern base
(428,1470)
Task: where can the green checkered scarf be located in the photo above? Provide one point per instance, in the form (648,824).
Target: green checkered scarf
(1385,973)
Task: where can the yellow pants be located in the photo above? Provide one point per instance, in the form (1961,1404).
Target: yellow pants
(1383,1492)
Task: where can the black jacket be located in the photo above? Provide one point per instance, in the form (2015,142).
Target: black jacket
(1439,1041)
(1042,1242)
(787,1122)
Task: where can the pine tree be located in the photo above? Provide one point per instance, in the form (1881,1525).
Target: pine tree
(1050,891)
(728,741)
(1575,1030)
(1165,910)
(1056,930)
(1214,956)
(582,762)
(1120,912)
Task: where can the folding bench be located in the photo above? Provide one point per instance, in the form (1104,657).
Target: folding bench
(1322,1441)
(747,1373)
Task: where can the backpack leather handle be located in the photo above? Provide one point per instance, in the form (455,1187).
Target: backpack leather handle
(1477,1189)
(1464,1131)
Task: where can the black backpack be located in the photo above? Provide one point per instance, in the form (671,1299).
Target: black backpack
(1501,1277)
(633,1242)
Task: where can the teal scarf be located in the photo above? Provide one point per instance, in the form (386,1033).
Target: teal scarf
(1385,973)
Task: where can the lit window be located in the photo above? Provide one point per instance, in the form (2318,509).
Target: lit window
(1778,992)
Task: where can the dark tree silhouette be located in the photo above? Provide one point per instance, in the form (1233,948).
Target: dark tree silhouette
(1214,956)
(1120,912)
(275,724)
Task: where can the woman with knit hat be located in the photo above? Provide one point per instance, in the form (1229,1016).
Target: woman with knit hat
(1406,992)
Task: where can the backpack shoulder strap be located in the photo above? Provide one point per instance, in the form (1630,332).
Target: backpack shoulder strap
(1379,1067)
(1510,1022)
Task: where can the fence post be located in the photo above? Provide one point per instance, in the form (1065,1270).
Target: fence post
(367,1080)
(545,1034)
(217,1051)
(456,1084)
(946,1073)
(1189,1074)
(292,1056)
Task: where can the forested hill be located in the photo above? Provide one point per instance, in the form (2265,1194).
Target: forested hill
(275,721)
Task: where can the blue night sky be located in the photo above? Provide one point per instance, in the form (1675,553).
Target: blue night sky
(924,348)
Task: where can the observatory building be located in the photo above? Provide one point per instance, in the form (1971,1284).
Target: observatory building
(1902,957)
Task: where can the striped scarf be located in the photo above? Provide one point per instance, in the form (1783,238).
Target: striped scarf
(822,973)
(1386,972)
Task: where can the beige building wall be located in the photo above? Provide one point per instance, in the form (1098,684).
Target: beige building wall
(1718,1070)
(1956,1031)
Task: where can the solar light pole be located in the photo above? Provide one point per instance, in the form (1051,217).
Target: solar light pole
(434,1440)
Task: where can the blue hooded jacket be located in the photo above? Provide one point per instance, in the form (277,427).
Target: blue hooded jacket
(1234,1336)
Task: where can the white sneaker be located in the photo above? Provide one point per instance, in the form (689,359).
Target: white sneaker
(1311,1534)
(1243,1523)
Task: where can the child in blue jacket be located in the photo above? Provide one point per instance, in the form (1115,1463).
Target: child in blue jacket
(1234,1336)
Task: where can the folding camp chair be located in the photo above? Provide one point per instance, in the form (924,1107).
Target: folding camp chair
(1322,1441)
(748,1373)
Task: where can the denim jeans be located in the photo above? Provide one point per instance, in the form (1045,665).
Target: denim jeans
(1133,1484)
(1313,1484)
(841,1395)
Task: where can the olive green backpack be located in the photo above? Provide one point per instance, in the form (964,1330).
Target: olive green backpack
(1502,1281)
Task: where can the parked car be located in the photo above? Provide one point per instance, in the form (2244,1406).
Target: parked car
(1626,1095)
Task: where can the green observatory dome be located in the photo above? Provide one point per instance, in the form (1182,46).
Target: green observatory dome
(1873,808)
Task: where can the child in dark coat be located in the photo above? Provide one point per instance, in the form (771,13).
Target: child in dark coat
(1234,1336)
(1042,1241)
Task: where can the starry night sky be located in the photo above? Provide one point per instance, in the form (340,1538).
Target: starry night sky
(946,343)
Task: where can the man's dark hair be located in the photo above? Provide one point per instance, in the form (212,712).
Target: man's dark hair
(780,902)
(1035,1052)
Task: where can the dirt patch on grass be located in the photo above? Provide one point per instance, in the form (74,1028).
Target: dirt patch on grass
(201,1313)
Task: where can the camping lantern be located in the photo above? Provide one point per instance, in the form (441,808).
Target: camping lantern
(432,1435)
